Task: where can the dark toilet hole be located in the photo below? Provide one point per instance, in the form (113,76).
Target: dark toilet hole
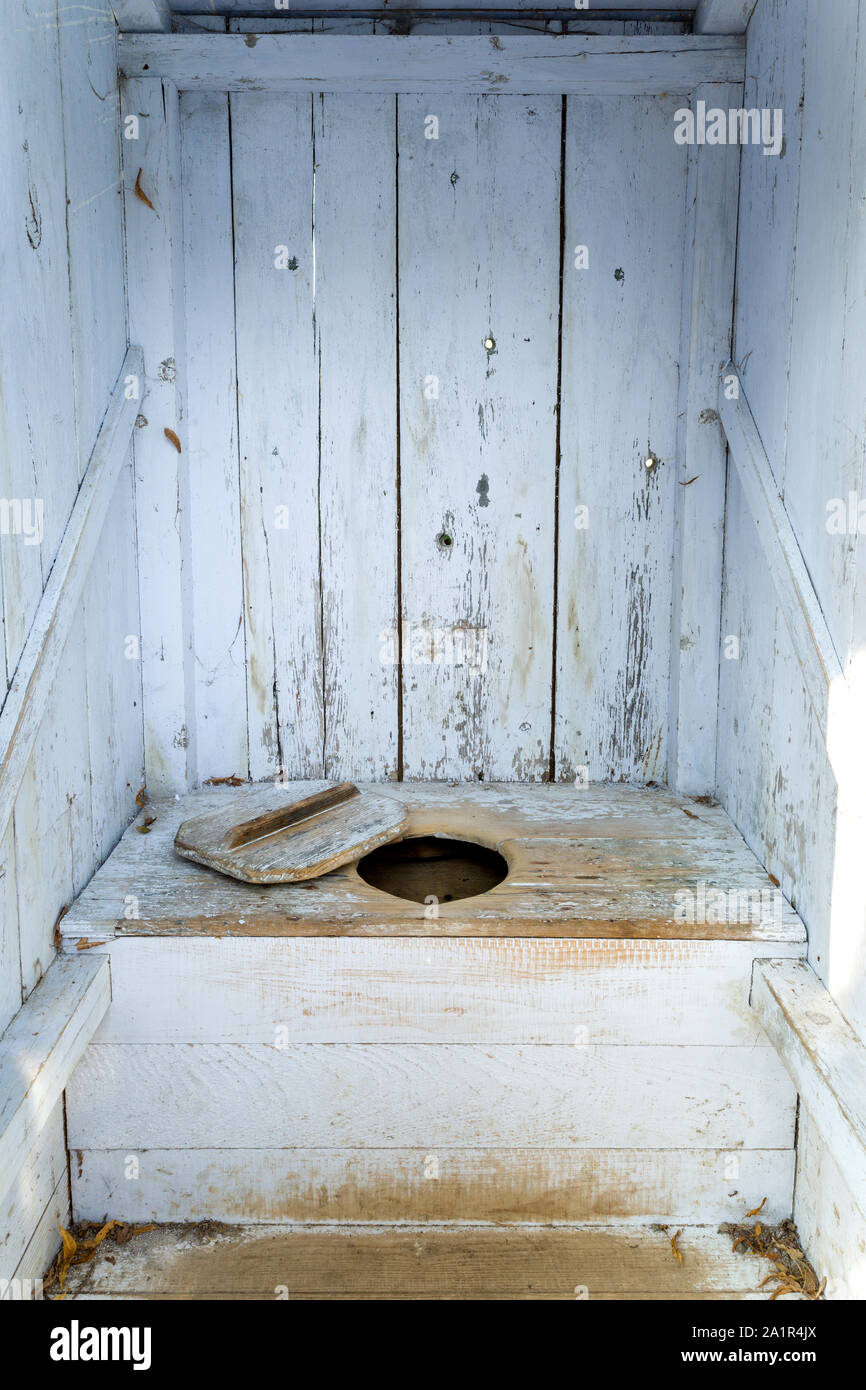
(429,866)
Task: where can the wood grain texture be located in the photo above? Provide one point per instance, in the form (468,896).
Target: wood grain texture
(355,229)
(723,16)
(431,1262)
(97,295)
(154,248)
(801,251)
(619,406)
(278,430)
(445,990)
(10,961)
(40,468)
(830,1216)
(780,789)
(31,1193)
(142,16)
(45,1241)
(562,881)
(39,1050)
(293,63)
(219,635)
(420,1095)
(45,651)
(457,1185)
(274,837)
(821,1053)
(697,560)
(479,220)
(203,7)
(795,594)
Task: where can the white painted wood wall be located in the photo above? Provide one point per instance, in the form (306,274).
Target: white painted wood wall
(381,472)
(63,344)
(800,327)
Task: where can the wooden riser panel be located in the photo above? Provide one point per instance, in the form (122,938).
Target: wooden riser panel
(437,990)
(400,1185)
(421,1095)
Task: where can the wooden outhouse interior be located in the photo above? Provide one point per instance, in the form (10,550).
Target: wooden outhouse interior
(435,399)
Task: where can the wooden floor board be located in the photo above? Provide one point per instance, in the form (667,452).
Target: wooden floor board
(420,1262)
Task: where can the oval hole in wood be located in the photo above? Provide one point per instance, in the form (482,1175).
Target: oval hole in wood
(430,866)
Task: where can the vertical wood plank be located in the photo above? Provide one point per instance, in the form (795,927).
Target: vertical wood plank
(156,322)
(624,200)
(39,469)
(217,573)
(767,783)
(92,131)
(479,262)
(52,814)
(706,339)
(355,241)
(10,964)
(37,420)
(823,457)
(278,430)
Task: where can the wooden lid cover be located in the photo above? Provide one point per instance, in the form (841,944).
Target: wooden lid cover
(275,836)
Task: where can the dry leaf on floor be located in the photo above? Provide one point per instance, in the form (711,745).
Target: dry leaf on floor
(781,1245)
(678,1254)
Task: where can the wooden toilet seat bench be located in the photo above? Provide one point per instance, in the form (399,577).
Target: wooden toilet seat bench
(566,1047)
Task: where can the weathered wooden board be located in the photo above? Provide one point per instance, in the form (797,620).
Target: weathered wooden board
(540,65)
(49,841)
(826,397)
(49,648)
(479,264)
(620,378)
(423,1095)
(211,438)
(39,1050)
(723,16)
(45,1241)
(820,668)
(821,1053)
(473,1261)
(277,837)
(278,430)
(10,961)
(502,1185)
(36,352)
(562,882)
(355,229)
(39,472)
(778,789)
(154,249)
(709,271)
(446,990)
(31,1193)
(830,1216)
(97,292)
(800,251)
(204,7)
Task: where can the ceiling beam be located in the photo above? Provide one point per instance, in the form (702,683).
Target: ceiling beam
(552,64)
